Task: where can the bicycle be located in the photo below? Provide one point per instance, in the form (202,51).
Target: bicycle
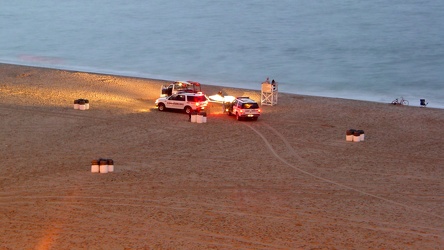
(401,101)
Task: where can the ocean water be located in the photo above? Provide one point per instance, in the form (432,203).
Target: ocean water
(366,50)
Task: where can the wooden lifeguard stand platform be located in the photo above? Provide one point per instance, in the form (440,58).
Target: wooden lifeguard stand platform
(269,92)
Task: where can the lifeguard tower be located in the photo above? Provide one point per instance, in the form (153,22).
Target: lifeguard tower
(269,92)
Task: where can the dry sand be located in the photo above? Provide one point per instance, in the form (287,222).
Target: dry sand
(287,181)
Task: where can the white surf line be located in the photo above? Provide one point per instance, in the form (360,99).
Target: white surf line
(327,180)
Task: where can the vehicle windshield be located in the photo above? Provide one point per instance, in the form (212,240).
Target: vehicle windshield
(187,87)
(197,98)
(180,86)
(250,106)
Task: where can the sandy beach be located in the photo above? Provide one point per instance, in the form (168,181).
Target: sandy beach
(287,181)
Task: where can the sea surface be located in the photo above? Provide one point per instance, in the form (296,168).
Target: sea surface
(374,50)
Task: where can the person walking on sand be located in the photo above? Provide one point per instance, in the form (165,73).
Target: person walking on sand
(223,101)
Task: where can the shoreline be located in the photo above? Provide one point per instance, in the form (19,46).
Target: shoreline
(204,84)
(287,181)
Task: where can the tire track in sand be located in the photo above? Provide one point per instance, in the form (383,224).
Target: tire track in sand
(294,153)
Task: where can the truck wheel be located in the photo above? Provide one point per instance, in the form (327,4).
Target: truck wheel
(161,107)
(238,117)
(188,110)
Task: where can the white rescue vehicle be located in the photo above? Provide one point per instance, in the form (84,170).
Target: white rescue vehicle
(187,102)
(244,108)
(180,87)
